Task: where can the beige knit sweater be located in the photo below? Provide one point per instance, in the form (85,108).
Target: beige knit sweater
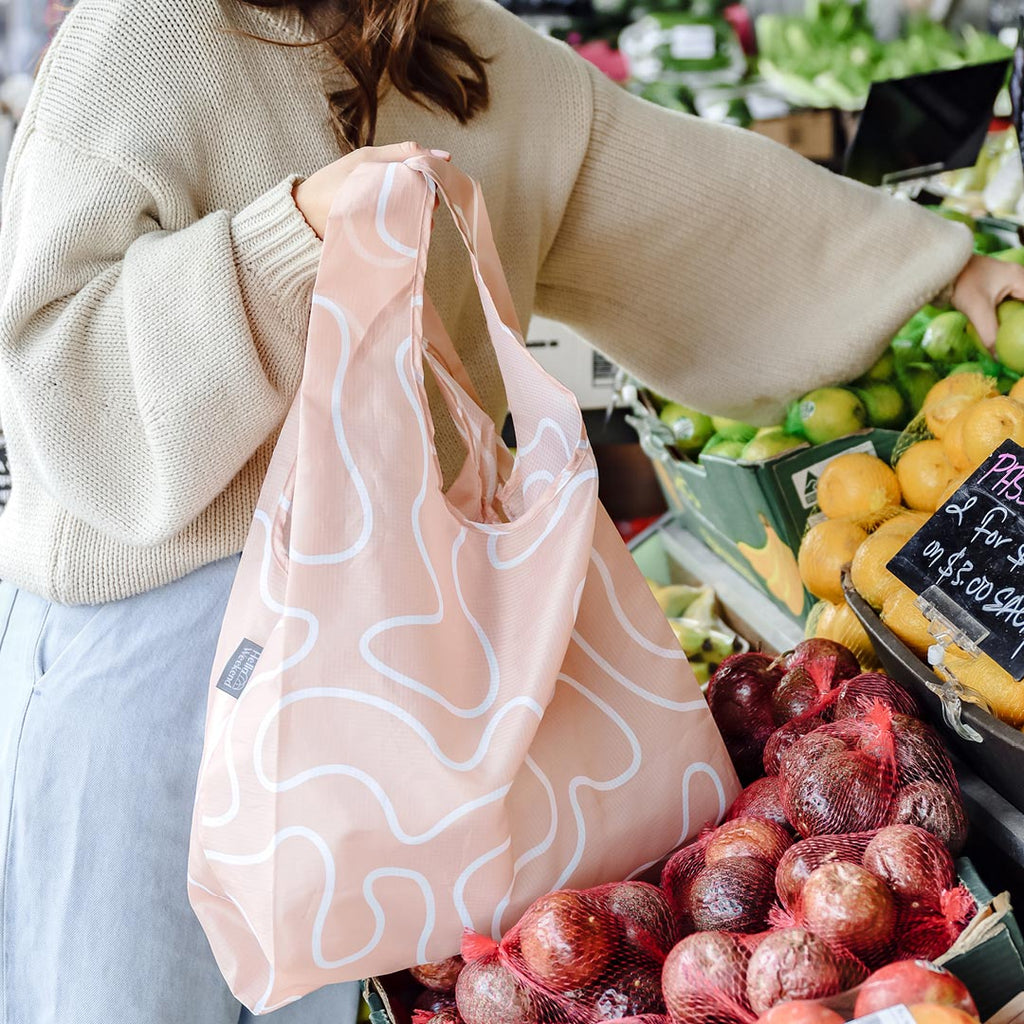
(156,275)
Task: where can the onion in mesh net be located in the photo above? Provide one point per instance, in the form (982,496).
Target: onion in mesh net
(791,963)
(733,895)
(856,695)
(913,863)
(935,808)
(808,855)
(439,976)
(565,939)
(704,977)
(487,992)
(760,800)
(851,909)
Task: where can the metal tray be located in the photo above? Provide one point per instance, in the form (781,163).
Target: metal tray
(998,759)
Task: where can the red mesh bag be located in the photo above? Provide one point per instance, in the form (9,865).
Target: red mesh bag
(856,695)
(704,980)
(841,777)
(441,1017)
(574,956)
(813,669)
(806,856)
(446,1016)
(875,896)
(924,934)
(739,695)
(725,881)
(927,794)
(723,978)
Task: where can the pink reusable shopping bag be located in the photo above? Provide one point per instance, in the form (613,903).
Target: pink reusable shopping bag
(428,708)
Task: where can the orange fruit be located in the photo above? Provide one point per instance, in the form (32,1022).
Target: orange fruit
(903,617)
(868,573)
(994,683)
(906,523)
(824,551)
(953,441)
(970,385)
(938,1013)
(942,414)
(989,424)
(954,485)
(1017,391)
(924,474)
(838,622)
(857,485)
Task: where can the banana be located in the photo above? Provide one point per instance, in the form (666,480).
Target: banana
(691,636)
(719,644)
(702,608)
(675,600)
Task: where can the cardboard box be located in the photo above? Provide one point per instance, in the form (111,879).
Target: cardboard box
(573,361)
(989,956)
(811,133)
(753,515)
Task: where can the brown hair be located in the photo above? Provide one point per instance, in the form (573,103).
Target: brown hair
(401,43)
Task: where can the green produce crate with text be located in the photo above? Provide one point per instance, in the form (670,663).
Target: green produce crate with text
(753,514)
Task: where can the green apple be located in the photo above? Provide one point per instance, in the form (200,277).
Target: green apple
(829,413)
(770,442)
(729,448)
(885,405)
(1010,336)
(884,368)
(915,381)
(735,430)
(946,340)
(691,429)
(1015,255)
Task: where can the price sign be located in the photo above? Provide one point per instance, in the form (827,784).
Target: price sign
(968,559)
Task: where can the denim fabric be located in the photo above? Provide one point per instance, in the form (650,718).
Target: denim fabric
(101,731)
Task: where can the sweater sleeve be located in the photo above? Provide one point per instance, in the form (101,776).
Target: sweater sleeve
(145,366)
(725,270)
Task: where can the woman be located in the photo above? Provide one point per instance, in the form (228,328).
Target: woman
(161,222)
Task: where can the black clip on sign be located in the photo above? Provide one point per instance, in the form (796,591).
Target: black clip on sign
(967,565)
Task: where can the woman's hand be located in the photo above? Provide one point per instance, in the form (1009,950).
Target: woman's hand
(981,286)
(315,195)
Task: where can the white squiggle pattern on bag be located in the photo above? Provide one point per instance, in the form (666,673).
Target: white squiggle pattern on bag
(584,780)
(313,631)
(355,476)
(699,767)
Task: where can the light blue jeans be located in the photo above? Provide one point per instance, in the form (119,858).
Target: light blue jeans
(101,732)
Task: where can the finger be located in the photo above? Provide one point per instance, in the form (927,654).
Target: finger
(395,153)
(981,312)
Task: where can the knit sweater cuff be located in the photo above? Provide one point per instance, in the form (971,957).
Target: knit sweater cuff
(275,245)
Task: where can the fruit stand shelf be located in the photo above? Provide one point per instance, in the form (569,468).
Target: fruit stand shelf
(669,552)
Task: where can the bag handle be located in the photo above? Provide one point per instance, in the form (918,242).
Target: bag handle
(538,403)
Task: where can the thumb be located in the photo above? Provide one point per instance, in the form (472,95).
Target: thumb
(982,315)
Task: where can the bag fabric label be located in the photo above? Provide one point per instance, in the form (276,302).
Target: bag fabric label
(240,668)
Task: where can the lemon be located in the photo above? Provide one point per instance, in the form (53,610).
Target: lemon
(829,413)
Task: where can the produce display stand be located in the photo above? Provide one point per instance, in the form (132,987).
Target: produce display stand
(989,956)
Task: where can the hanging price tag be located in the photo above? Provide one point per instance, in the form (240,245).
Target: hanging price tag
(967,561)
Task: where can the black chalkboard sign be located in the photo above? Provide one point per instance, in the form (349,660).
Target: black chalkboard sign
(968,559)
